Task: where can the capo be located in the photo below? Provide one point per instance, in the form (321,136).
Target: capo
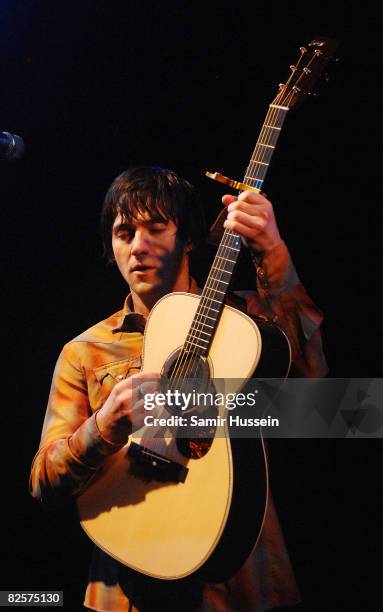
(216,176)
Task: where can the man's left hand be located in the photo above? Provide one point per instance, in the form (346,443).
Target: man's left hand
(251,216)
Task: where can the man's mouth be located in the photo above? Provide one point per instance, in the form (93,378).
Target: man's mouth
(141,268)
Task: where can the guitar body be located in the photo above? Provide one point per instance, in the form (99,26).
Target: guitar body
(210,521)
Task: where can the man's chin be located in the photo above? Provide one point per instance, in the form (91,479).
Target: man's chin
(145,288)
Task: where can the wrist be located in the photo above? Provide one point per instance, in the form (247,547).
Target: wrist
(275,270)
(111,435)
(258,255)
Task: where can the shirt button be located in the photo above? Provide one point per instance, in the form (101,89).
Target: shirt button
(261,272)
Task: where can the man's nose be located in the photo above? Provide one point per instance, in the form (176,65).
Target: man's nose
(139,242)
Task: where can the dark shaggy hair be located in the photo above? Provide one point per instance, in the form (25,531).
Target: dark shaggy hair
(159,192)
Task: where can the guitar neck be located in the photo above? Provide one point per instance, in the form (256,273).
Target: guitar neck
(213,295)
(260,160)
(217,284)
(304,74)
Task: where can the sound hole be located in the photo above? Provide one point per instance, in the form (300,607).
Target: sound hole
(185,373)
(189,374)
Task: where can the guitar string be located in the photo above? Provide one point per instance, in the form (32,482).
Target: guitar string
(261,157)
(274,120)
(226,245)
(193,365)
(258,159)
(233,238)
(254,173)
(229,241)
(200,317)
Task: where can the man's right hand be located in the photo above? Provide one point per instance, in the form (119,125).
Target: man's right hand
(125,406)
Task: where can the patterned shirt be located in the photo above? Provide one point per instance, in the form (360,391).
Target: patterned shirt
(72,448)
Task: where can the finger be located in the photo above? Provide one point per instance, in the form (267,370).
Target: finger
(137,415)
(146,376)
(253,197)
(135,379)
(257,221)
(137,386)
(260,210)
(228,199)
(149,387)
(245,230)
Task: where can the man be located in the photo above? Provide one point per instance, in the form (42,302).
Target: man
(151,221)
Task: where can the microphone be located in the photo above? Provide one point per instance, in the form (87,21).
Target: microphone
(12,147)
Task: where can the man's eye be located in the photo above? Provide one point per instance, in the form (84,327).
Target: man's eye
(157,228)
(125,235)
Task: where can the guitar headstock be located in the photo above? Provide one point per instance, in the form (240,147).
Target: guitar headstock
(305,73)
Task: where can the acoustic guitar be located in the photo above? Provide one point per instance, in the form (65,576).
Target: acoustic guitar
(169,506)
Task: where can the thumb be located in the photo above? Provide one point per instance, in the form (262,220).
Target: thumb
(228,199)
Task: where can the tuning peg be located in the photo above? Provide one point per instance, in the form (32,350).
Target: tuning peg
(293,68)
(281,85)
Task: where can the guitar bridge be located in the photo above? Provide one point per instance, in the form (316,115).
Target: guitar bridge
(149,465)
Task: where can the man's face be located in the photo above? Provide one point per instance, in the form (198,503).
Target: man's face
(148,255)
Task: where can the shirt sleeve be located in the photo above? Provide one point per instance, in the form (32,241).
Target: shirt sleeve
(71,448)
(281,298)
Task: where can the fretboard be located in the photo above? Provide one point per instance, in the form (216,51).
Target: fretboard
(214,292)
(260,160)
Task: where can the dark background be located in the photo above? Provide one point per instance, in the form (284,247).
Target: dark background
(94,87)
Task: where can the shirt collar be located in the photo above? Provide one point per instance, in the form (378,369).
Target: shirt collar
(131,321)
